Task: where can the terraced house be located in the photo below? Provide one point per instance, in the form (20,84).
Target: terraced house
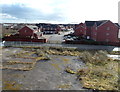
(49,28)
(100,31)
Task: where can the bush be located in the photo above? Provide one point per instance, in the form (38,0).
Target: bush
(101,73)
(86,57)
(100,77)
(98,58)
(39,53)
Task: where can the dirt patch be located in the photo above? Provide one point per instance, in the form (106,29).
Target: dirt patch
(47,74)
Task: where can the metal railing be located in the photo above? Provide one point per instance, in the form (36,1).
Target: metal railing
(78,46)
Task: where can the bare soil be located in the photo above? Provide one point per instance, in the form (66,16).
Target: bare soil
(45,75)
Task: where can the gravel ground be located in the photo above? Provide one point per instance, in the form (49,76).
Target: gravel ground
(46,75)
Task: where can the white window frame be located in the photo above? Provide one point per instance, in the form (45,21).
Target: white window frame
(107,34)
(25,31)
(108,28)
(96,28)
(82,26)
(88,37)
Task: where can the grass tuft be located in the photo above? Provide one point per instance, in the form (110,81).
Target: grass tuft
(102,72)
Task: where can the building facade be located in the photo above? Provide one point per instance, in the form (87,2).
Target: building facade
(30,32)
(49,28)
(80,29)
(100,31)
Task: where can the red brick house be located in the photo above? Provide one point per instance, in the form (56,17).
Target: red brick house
(80,30)
(49,28)
(100,31)
(30,32)
(90,25)
(27,34)
(53,29)
(106,31)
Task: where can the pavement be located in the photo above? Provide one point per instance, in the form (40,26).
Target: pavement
(56,38)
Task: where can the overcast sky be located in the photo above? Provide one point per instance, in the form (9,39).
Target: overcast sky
(58,11)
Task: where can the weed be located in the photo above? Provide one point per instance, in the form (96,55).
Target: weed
(102,72)
(10,85)
(69,70)
(56,66)
(98,58)
(64,86)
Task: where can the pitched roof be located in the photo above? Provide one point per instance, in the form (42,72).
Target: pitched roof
(91,23)
(50,26)
(117,25)
(32,27)
(38,33)
(29,26)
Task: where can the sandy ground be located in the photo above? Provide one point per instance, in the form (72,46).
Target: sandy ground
(46,75)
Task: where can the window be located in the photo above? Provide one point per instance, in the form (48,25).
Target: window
(25,31)
(82,26)
(107,34)
(96,28)
(117,41)
(88,37)
(108,28)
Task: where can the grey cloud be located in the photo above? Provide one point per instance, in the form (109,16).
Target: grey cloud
(23,12)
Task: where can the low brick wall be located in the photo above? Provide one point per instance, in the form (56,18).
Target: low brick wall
(25,39)
(93,43)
